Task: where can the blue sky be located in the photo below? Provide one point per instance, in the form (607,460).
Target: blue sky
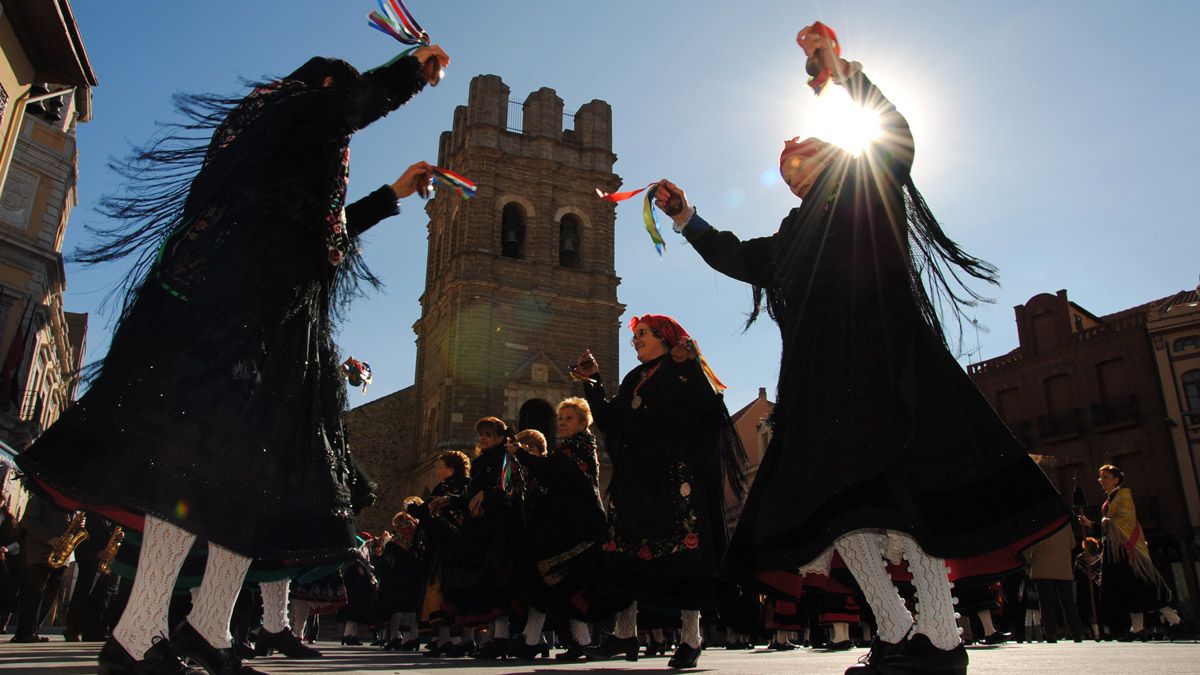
(1055,139)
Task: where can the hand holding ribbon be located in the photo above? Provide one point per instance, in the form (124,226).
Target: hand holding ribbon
(396,21)
(647,210)
(820,45)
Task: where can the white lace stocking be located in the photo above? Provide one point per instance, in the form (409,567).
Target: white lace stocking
(223,576)
(533,626)
(164,547)
(626,623)
(936,618)
(408,620)
(691,627)
(863,554)
(580,632)
(275,604)
(300,610)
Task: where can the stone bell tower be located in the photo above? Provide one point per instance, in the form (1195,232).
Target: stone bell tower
(521,278)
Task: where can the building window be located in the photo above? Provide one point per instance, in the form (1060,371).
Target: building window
(568,241)
(1191,390)
(1189,342)
(512,231)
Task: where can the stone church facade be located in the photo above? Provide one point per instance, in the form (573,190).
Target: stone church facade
(519,280)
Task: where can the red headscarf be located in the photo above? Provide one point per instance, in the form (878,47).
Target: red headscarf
(666,327)
(807,148)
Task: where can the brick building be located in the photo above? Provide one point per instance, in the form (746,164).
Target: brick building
(1084,390)
(46,83)
(754,431)
(518,281)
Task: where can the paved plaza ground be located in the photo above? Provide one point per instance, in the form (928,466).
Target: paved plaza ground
(1109,658)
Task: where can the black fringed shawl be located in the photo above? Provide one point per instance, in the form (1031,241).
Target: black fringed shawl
(876,426)
(218,406)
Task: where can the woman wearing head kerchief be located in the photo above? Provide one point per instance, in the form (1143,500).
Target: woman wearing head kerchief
(217,412)
(881,445)
(672,447)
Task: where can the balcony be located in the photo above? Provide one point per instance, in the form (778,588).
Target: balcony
(1116,413)
(1060,426)
(1023,431)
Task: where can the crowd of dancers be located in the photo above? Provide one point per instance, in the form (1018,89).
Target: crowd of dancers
(214,427)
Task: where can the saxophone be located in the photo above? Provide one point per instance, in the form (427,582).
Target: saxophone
(74,535)
(110,551)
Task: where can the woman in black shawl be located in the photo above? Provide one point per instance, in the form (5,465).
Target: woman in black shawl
(672,447)
(557,561)
(217,412)
(882,446)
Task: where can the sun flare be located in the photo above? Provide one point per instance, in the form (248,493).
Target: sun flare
(838,120)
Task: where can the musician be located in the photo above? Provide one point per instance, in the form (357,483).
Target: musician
(38,534)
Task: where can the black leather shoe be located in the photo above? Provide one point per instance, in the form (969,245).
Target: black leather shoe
(244,649)
(160,659)
(31,637)
(572,653)
(410,646)
(836,646)
(685,656)
(656,648)
(781,646)
(868,664)
(351,640)
(520,649)
(459,650)
(996,638)
(920,657)
(190,644)
(285,642)
(496,648)
(1139,636)
(611,646)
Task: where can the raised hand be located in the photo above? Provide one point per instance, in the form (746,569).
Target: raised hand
(433,59)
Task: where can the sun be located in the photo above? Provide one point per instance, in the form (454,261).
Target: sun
(837,119)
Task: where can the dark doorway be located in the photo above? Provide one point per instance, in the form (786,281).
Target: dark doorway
(537,414)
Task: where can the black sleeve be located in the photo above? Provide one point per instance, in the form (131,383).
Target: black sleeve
(748,261)
(894,148)
(602,411)
(338,112)
(364,213)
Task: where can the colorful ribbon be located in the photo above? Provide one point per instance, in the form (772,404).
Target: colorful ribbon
(506,476)
(716,384)
(398,22)
(647,212)
(460,185)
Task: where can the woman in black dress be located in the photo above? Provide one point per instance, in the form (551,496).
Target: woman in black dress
(217,412)
(402,578)
(490,535)
(672,447)
(882,446)
(558,558)
(441,521)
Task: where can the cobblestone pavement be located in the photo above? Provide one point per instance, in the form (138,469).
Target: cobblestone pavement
(1110,658)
